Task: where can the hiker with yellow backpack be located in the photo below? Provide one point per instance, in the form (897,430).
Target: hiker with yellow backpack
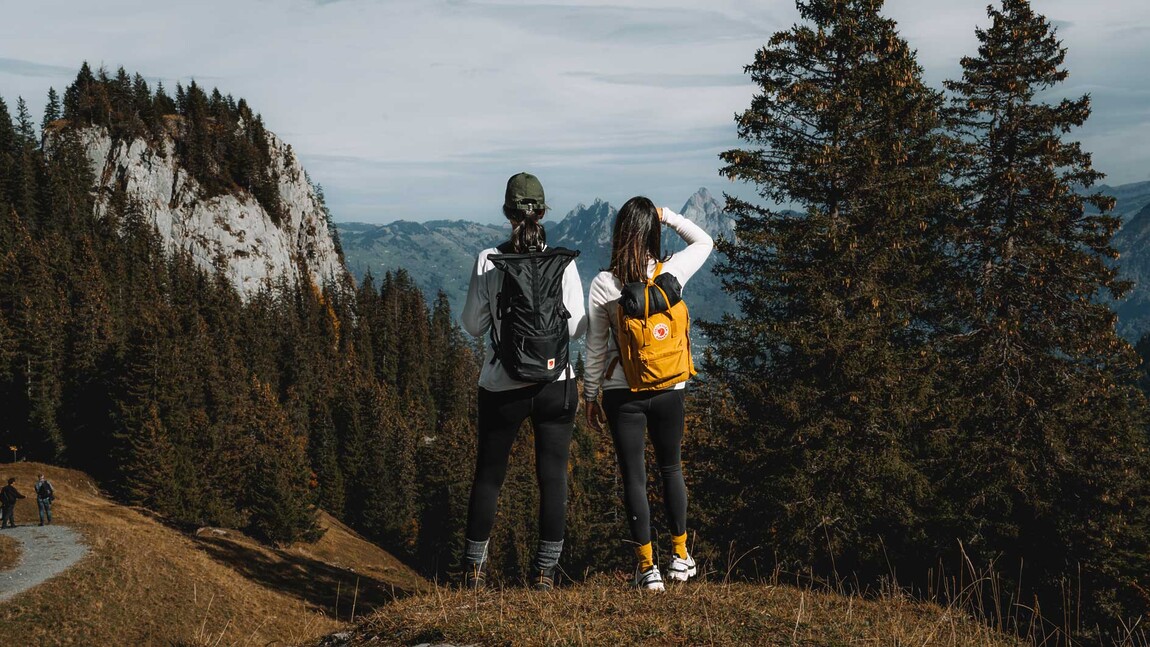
(638,354)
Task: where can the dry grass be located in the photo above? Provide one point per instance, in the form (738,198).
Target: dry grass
(606,611)
(144,583)
(345,575)
(9,552)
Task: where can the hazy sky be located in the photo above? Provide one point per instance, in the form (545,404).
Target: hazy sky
(421,109)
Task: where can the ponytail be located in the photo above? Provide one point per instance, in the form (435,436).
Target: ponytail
(527,235)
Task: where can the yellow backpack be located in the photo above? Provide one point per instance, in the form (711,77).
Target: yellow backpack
(654,347)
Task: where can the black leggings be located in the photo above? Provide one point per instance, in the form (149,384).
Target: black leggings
(500,415)
(660,414)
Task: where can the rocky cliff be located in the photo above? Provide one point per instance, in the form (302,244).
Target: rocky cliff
(231,232)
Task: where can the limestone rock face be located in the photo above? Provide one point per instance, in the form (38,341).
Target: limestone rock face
(230,232)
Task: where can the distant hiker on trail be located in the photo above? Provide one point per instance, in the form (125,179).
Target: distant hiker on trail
(8,498)
(528,298)
(643,367)
(45,495)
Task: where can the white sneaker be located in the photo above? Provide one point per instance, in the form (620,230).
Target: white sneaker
(649,579)
(681,569)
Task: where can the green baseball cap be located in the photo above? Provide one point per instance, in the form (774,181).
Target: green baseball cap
(524,193)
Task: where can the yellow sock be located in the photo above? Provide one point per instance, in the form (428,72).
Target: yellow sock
(679,545)
(646,559)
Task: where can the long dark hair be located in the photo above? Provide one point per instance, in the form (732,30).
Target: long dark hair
(527,235)
(637,237)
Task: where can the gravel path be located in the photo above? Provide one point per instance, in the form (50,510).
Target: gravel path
(45,552)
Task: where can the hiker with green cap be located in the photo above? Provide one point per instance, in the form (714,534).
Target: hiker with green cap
(527,299)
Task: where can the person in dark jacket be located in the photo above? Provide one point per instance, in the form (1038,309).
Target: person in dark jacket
(8,498)
(45,495)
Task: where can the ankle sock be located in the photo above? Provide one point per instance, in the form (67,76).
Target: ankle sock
(679,545)
(475,552)
(646,560)
(547,557)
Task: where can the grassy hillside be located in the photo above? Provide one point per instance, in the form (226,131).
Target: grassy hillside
(144,583)
(606,611)
(9,552)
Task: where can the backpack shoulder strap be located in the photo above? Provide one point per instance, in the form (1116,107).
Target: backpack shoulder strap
(562,251)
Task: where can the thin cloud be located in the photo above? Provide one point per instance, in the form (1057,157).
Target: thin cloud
(30,68)
(668,80)
(428,106)
(617,23)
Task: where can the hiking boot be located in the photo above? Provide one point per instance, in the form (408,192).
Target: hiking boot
(681,569)
(475,577)
(544,579)
(649,580)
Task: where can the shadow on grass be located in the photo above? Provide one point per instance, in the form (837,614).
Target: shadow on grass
(338,591)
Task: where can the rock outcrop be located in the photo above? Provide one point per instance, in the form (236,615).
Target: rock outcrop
(231,232)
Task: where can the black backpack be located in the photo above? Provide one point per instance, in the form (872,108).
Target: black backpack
(532,342)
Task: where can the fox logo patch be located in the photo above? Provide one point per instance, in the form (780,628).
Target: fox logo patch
(551,363)
(661,331)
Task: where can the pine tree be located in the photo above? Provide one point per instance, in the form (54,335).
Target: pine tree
(280,498)
(9,156)
(28,165)
(181,99)
(164,104)
(332,229)
(52,111)
(445,459)
(143,107)
(829,361)
(77,96)
(1052,469)
(37,317)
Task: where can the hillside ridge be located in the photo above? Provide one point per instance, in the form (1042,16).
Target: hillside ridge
(204,587)
(606,610)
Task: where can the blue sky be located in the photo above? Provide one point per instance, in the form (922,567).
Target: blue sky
(420,109)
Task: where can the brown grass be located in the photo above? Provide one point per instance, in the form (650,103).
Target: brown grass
(607,611)
(9,552)
(144,583)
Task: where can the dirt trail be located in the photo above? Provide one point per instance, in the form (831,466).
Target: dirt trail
(45,552)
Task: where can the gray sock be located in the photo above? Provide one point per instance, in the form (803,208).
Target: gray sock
(548,554)
(475,552)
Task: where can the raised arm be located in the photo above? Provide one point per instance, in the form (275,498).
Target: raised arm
(685,263)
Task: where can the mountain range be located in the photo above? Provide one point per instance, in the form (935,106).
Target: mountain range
(1132,205)
(439,254)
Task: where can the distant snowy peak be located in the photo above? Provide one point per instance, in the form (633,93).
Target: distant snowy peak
(591,225)
(585,226)
(704,210)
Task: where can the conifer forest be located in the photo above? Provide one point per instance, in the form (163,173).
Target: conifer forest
(923,387)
